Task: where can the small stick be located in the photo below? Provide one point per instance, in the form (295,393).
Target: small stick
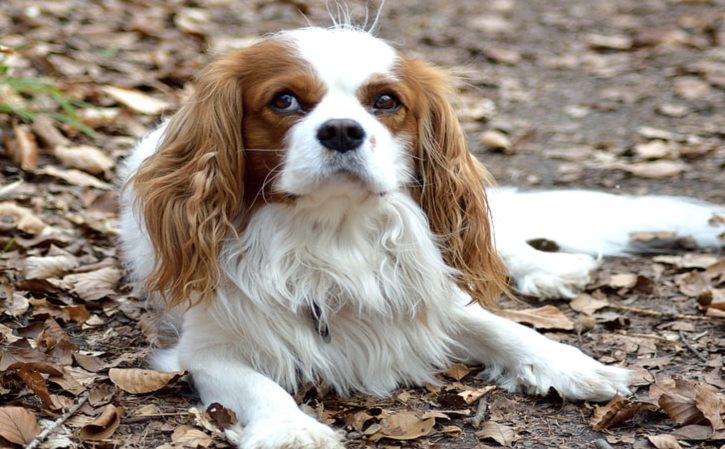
(691,348)
(476,419)
(44,434)
(650,312)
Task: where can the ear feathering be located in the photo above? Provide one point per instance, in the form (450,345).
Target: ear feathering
(191,189)
(451,185)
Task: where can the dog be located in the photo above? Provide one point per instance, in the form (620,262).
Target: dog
(313,213)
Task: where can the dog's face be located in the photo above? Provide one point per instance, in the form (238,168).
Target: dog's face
(311,113)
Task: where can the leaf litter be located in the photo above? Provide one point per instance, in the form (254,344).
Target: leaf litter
(72,326)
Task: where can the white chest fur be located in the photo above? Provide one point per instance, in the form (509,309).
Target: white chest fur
(373,272)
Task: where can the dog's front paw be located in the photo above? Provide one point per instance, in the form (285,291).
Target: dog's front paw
(556,275)
(300,432)
(570,372)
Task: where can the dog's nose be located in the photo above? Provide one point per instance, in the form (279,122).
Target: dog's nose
(341,134)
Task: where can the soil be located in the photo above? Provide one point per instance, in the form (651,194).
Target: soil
(581,90)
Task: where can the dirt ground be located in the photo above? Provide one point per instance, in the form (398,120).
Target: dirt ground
(619,96)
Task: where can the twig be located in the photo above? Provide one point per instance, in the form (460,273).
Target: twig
(691,348)
(44,434)
(650,312)
(602,444)
(476,419)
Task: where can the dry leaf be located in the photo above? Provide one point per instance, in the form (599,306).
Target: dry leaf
(404,426)
(138,101)
(25,219)
(84,157)
(75,177)
(655,169)
(471,396)
(55,263)
(103,426)
(616,411)
(188,436)
(693,284)
(24,150)
(688,260)
(587,304)
(710,404)
(94,285)
(546,317)
(137,381)
(457,371)
(18,425)
(679,403)
(623,280)
(503,435)
(664,441)
(44,127)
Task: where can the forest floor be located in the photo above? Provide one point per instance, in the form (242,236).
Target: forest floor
(619,96)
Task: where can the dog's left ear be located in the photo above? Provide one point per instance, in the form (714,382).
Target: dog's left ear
(450,186)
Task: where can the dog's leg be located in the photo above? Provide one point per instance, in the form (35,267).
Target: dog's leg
(545,274)
(520,359)
(268,416)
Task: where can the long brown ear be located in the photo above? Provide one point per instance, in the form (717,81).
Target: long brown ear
(191,189)
(451,188)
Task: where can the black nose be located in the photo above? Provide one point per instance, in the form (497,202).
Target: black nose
(341,134)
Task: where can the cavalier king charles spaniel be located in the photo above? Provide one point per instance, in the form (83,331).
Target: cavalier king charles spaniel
(312,213)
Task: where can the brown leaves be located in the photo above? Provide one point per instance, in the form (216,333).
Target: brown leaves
(404,426)
(103,426)
(502,434)
(546,317)
(686,403)
(136,100)
(615,412)
(137,381)
(23,150)
(18,425)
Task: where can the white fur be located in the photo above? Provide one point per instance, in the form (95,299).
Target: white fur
(585,225)
(361,251)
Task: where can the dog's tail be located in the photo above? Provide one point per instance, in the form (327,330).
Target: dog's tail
(598,223)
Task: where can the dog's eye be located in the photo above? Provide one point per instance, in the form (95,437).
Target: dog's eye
(286,102)
(386,103)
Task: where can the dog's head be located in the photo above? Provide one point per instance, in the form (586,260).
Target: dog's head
(312,113)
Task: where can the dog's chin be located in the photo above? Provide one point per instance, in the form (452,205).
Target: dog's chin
(342,183)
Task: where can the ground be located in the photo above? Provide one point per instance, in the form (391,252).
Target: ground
(620,96)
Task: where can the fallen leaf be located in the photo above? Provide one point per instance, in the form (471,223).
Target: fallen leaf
(664,441)
(55,263)
(103,426)
(471,396)
(84,157)
(188,436)
(137,101)
(691,88)
(221,416)
(404,426)
(612,42)
(616,411)
(18,425)
(44,127)
(75,177)
(192,20)
(495,140)
(587,304)
(711,404)
(25,219)
(94,285)
(688,260)
(137,381)
(24,149)
(546,317)
(679,403)
(655,169)
(457,371)
(503,435)
(655,149)
(693,284)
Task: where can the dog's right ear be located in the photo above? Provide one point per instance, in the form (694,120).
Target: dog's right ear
(191,189)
